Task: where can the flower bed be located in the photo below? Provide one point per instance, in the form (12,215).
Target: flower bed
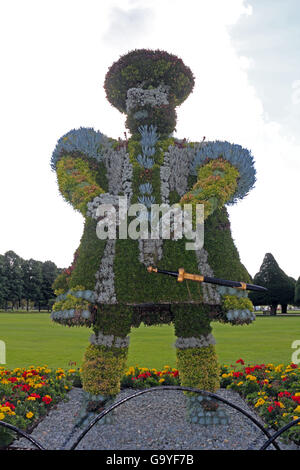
(26,395)
(273,391)
(142,377)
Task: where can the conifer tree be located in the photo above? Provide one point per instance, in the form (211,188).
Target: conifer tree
(280,286)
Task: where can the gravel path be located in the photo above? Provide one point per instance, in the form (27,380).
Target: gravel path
(152,421)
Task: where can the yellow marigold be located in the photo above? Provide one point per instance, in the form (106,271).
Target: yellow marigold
(31,398)
(71,371)
(2,416)
(297,410)
(279,368)
(161,380)
(251,377)
(29,415)
(240,383)
(259,402)
(5,409)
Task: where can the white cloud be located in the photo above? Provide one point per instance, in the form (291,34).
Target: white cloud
(127,25)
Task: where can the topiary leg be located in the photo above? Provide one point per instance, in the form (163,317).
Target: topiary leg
(104,361)
(197,363)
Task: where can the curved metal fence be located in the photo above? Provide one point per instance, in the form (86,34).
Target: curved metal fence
(271,440)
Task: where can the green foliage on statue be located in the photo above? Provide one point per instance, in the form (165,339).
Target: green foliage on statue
(107,285)
(143,76)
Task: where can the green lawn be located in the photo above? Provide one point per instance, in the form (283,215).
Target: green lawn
(32,339)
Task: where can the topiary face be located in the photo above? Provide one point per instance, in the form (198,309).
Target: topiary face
(147,86)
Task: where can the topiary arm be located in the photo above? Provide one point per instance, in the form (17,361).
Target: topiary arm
(76,182)
(225,173)
(215,186)
(77,159)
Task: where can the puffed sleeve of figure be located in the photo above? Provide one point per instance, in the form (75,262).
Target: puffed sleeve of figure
(77,159)
(225,173)
(237,308)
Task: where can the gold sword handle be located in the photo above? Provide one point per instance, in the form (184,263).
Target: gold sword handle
(150,269)
(243,286)
(182,275)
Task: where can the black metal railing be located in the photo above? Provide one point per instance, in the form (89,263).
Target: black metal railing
(271,440)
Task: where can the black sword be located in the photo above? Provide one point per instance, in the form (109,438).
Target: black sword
(181,275)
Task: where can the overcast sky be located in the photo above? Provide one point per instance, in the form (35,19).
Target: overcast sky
(245,58)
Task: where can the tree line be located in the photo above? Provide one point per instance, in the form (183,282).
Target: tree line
(282,290)
(26,283)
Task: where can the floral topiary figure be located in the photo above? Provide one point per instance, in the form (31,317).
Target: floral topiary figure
(108,287)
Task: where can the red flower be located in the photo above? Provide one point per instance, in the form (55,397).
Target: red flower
(47,399)
(240,361)
(237,374)
(296,399)
(10,405)
(12,379)
(293,366)
(270,409)
(284,394)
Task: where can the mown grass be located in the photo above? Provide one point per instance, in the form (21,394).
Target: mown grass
(33,339)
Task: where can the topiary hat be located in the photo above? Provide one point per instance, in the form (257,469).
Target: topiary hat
(148,69)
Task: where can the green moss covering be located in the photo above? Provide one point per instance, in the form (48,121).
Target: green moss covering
(223,256)
(173,197)
(113,320)
(100,176)
(89,257)
(133,283)
(191,321)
